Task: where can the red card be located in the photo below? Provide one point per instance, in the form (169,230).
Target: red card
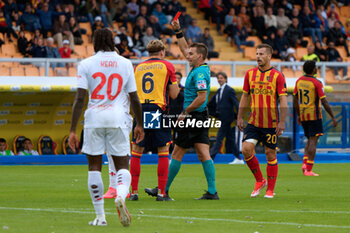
(177,15)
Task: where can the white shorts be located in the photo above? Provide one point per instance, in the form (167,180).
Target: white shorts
(114,141)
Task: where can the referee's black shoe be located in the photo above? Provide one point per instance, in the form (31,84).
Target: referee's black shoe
(152,192)
(164,198)
(209,196)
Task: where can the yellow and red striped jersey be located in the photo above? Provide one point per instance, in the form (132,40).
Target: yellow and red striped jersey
(310,92)
(264,88)
(152,78)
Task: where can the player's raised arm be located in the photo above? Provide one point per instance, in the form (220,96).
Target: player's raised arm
(180,37)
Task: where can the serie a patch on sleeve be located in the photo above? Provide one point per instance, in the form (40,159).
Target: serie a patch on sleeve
(201,85)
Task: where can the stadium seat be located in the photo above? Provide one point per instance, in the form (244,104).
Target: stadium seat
(9,50)
(87,27)
(300,52)
(46,146)
(72,72)
(90,49)
(17,144)
(345,11)
(17,71)
(250,52)
(80,50)
(61,71)
(42,71)
(4,71)
(32,71)
(85,39)
(65,148)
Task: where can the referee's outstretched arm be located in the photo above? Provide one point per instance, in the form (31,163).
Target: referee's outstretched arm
(180,37)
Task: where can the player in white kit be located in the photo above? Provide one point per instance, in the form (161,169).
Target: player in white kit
(111,83)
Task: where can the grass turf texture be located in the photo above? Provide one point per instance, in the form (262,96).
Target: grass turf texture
(56,199)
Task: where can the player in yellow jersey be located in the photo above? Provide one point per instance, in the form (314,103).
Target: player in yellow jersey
(156,82)
(308,96)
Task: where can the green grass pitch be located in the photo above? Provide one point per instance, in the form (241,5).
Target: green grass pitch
(36,199)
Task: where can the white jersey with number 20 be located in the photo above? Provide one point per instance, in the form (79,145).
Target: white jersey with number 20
(110,78)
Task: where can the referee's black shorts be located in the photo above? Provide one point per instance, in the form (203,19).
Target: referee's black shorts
(188,136)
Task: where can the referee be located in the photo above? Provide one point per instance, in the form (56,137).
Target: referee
(197,89)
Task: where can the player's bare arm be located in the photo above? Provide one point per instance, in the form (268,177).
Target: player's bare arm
(243,105)
(197,102)
(78,106)
(284,109)
(296,107)
(328,109)
(181,41)
(174,90)
(136,108)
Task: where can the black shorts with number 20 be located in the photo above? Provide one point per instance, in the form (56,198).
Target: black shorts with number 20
(265,135)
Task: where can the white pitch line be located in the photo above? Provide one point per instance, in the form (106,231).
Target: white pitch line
(181,217)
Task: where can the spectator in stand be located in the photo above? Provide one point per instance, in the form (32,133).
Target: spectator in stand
(185,19)
(204,5)
(347,29)
(294,34)
(75,30)
(123,33)
(271,4)
(331,20)
(193,31)
(61,32)
(218,14)
(338,37)
(323,11)
(28,148)
(52,52)
(287,7)
(334,56)
(45,16)
(258,21)
(311,55)
(320,22)
(160,15)
(270,21)
(240,35)
(144,13)
(140,26)
(308,24)
(148,36)
(245,18)
(81,11)
(65,52)
(124,49)
(94,10)
(280,45)
(22,44)
(320,51)
(29,19)
(295,13)
(290,56)
(98,24)
(133,9)
(5,28)
(139,48)
(232,4)
(230,22)
(11,14)
(3,148)
(333,9)
(38,51)
(283,21)
(209,42)
(172,8)
(154,23)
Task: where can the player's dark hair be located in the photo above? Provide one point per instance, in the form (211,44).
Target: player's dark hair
(178,73)
(2,140)
(103,40)
(309,67)
(268,48)
(223,74)
(27,139)
(201,49)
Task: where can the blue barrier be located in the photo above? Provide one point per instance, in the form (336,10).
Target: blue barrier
(153,159)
